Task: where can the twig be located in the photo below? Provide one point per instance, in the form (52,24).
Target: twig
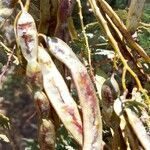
(116,48)
(9,51)
(21,4)
(123,79)
(5,47)
(123,48)
(119,24)
(142,24)
(90,25)
(85,37)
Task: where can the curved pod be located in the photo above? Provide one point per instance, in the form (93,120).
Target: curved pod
(59,95)
(92,124)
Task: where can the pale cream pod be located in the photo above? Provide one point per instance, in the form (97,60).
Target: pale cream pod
(59,96)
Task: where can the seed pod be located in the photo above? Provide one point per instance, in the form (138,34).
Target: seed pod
(137,126)
(42,104)
(27,37)
(59,96)
(46,132)
(46,135)
(110,89)
(110,92)
(92,124)
(34,76)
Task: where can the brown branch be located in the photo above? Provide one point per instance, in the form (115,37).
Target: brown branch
(119,24)
(133,62)
(114,44)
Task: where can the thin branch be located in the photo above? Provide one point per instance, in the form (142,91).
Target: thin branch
(142,24)
(5,47)
(21,4)
(124,49)
(85,37)
(119,24)
(115,46)
(123,79)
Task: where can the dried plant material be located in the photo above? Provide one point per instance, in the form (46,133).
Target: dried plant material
(138,129)
(113,41)
(54,102)
(122,28)
(118,107)
(42,104)
(64,12)
(4,121)
(46,130)
(4,138)
(27,40)
(46,135)
(59,95)
(48,16)
(128,135)
(100,78)
(134,15)
(26,35)
(92,125)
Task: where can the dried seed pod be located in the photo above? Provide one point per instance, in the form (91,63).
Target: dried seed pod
(26,35)
(59,95)
(64,13)
(138,129)
(46,135)
(109,93)
(92,124)
(42,104)
(46,132)
(34,76)
(110,89)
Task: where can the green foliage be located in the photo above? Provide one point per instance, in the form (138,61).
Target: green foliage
(144,39)
(144,33)
(65,141)
(121,4)
(146,13)
(31,144)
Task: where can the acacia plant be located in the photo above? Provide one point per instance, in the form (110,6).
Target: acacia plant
(92,74)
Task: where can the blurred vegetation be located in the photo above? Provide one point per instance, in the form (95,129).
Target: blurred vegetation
(16,99)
